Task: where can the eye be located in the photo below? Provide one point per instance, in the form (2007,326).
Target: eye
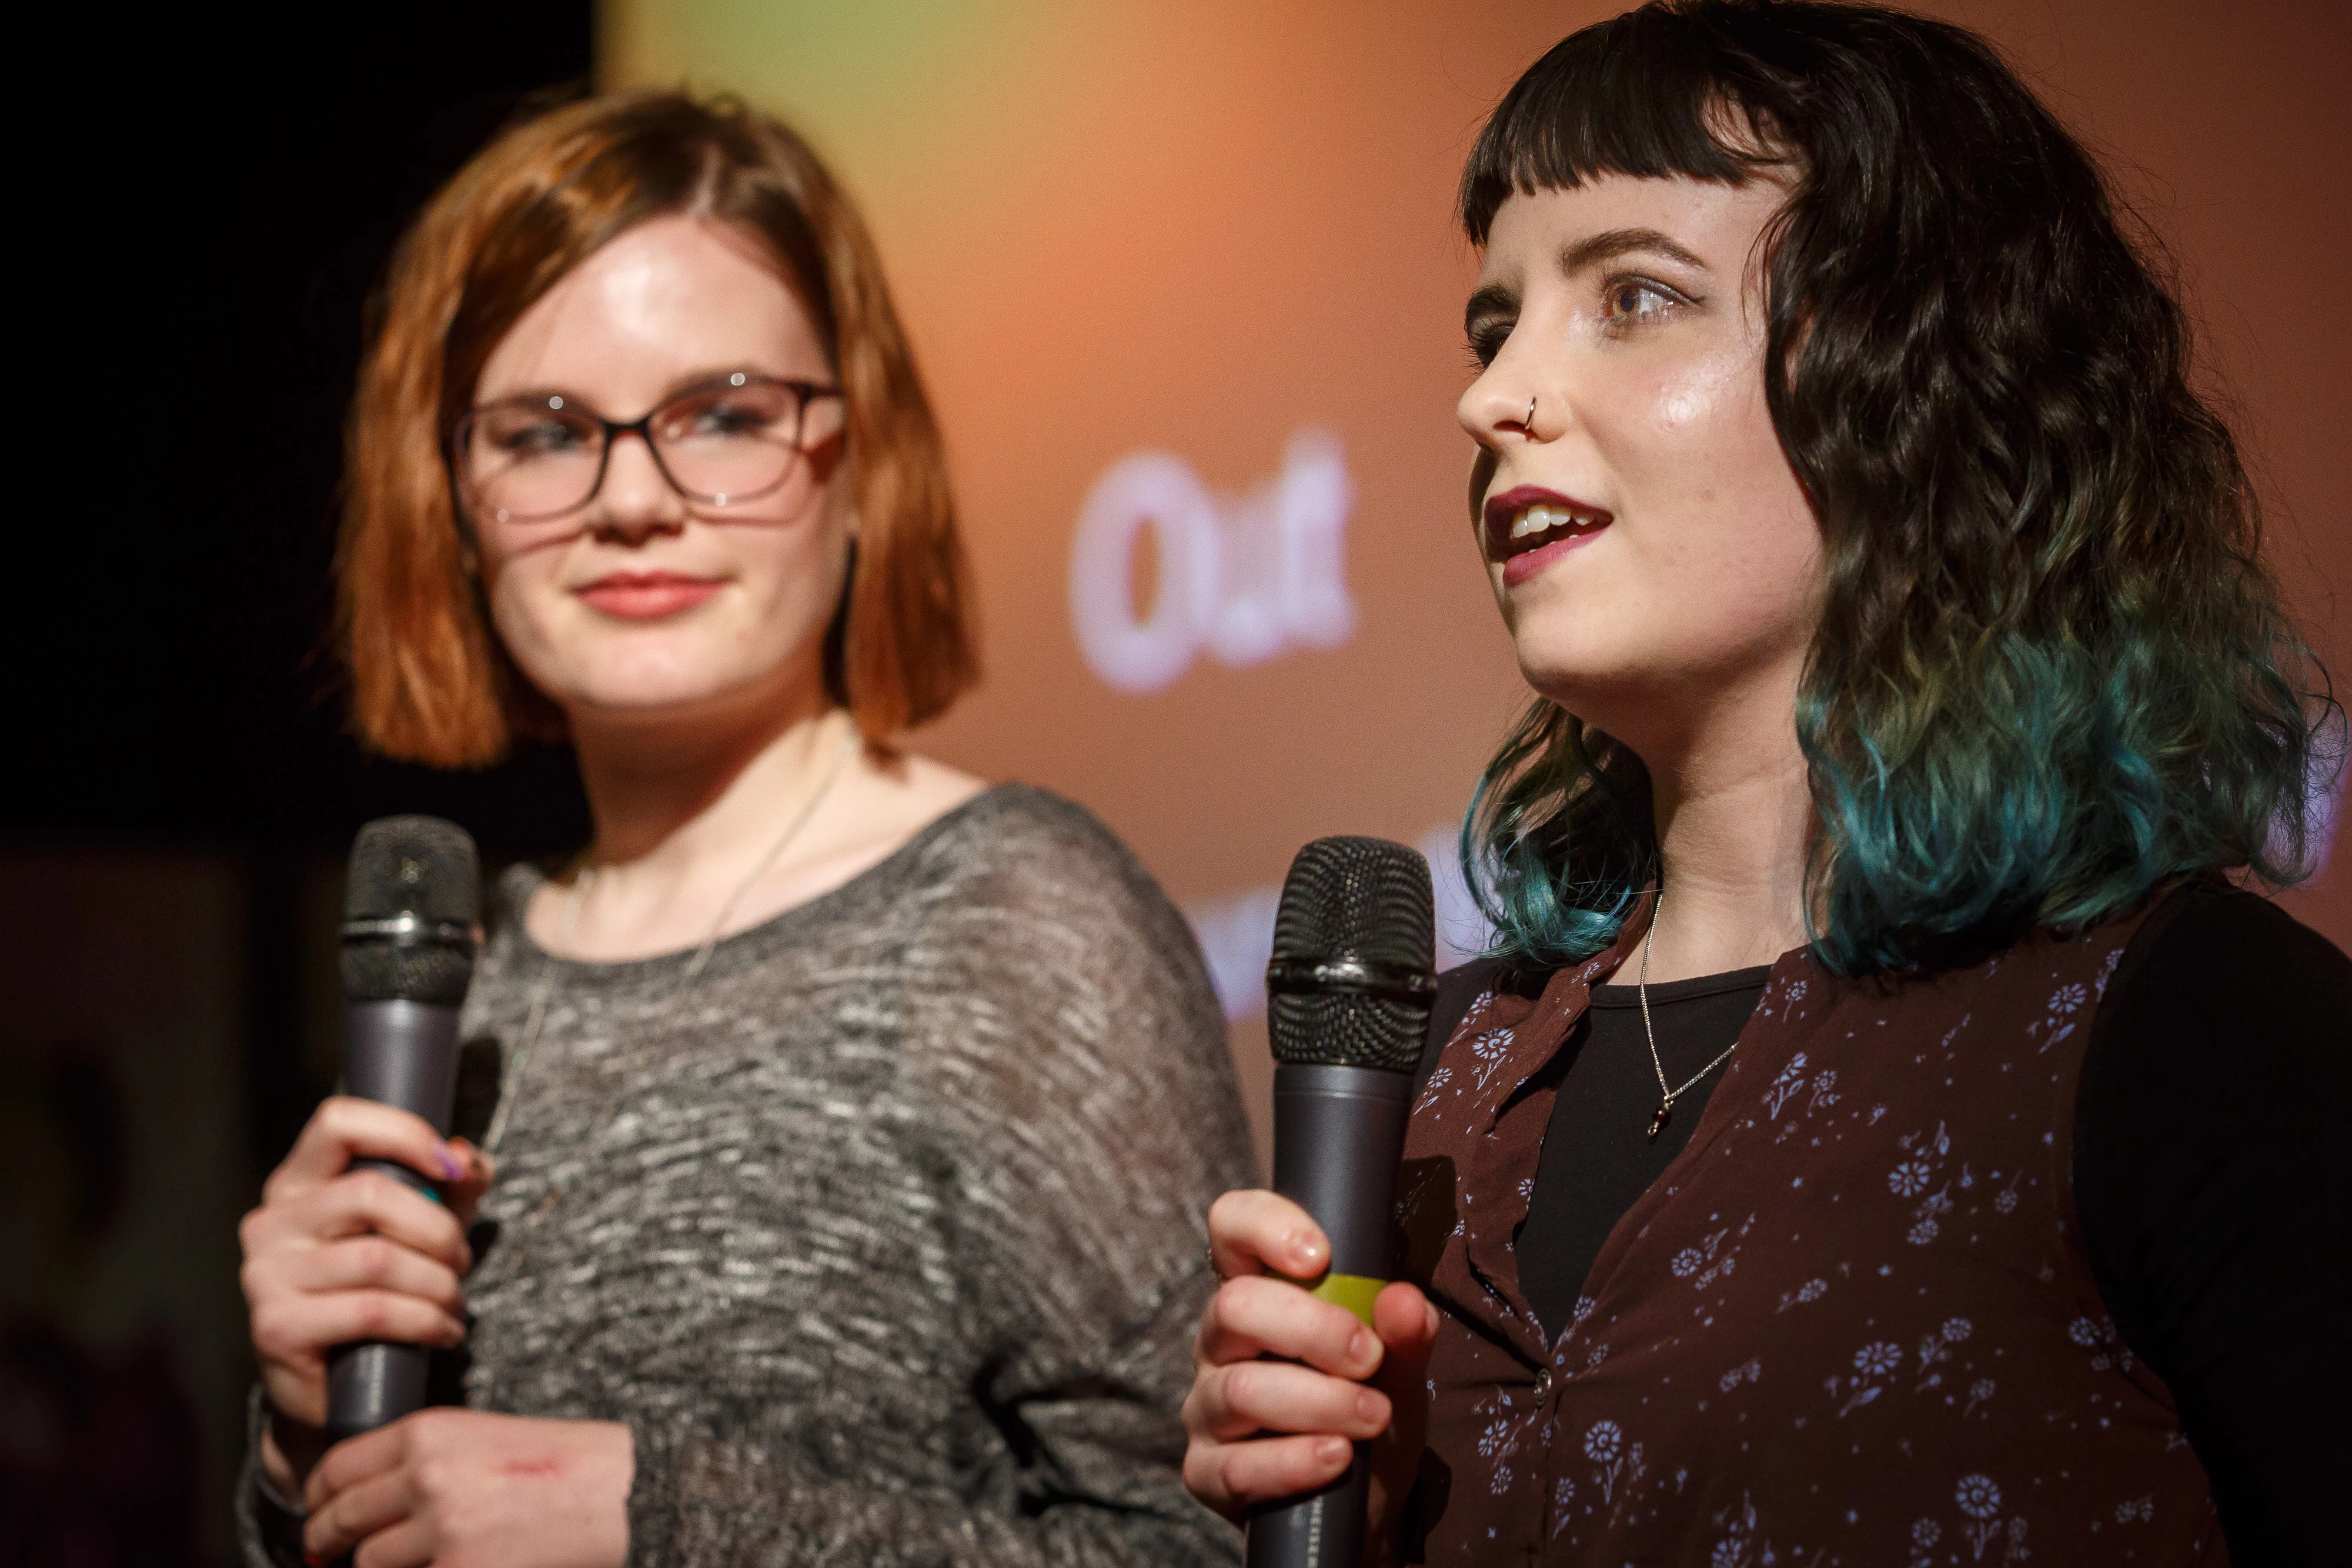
(1630,301)
(1485,338)
(537,437)
(740,413)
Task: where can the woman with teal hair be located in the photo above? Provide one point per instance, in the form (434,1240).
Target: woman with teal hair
(1890,1127)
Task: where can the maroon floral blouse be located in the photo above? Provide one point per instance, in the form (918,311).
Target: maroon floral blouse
(1853,1322)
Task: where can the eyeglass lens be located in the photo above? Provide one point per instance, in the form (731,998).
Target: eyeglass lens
(541,458)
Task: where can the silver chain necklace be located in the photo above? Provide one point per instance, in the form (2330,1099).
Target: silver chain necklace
(1666,1097)
(509,1089)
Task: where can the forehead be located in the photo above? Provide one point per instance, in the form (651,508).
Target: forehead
(673,297)
(1717,223)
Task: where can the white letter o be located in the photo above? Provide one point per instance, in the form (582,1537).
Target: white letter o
(1155,490)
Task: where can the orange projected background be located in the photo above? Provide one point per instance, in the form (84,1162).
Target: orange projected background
(1183,280)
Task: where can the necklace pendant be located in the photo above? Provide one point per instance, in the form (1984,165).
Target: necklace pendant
(1658,1120)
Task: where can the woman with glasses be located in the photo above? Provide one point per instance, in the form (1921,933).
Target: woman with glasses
(1890,1128)
(841,1195)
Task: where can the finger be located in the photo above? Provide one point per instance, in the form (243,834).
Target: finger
(1253,1317)
(1254,1231)
(371,1203)
(1230,1476)
(343,1129)
(298,1327)
(356,1263)
(342,1520)
(408,1544)
(355,1461)
(464,1195)
(1229,1403)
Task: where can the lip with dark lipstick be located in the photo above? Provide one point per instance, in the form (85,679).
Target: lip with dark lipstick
(1528,527)
(646,595)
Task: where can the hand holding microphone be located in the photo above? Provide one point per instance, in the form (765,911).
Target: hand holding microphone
(1279,1402)
(349,1246)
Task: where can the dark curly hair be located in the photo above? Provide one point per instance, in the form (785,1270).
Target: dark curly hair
(2051,674)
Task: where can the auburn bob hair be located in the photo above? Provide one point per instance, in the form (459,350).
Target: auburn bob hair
(430,682)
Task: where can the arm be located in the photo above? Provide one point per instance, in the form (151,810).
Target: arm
(332,1256)
(2212,1171)
(1075,1116)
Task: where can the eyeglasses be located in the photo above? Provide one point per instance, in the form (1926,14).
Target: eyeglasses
(528,459)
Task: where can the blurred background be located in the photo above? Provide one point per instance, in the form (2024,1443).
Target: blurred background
(1182,279)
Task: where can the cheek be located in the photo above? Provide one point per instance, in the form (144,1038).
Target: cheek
(520,589)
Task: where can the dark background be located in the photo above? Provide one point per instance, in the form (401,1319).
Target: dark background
(183,790)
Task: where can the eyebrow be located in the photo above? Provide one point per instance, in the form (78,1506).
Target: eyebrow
(1611,244)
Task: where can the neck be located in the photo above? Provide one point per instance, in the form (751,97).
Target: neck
(673,794)
(1735,819)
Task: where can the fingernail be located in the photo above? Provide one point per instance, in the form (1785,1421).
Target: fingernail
(1367,1407)
(450,1165)
(1331,1448)
(1305,1246)
(1361,1345)
(430,1193)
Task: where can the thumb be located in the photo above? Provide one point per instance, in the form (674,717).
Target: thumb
(1405,1321)
(467,1191)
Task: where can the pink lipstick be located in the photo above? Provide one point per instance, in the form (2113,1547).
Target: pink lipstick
(646,595)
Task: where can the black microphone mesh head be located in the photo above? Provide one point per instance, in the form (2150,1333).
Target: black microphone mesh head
(1366,899)
(424,868)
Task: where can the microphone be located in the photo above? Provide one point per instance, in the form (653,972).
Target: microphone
(411,912)
(1348,998)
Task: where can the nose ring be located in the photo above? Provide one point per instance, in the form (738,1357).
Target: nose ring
(1529,423)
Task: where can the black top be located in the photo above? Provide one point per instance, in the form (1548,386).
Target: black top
(2212,1174)
(1598,1155)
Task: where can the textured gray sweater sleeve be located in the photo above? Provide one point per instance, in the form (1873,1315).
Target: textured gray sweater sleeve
(885,1235)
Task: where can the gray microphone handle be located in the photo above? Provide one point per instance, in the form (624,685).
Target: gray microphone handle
(402,1054)
(1338,1137)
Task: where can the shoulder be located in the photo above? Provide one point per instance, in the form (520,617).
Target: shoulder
(510,895)
(2214,967)
(1017,836)
(2219,1045)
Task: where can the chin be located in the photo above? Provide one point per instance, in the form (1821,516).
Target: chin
(648,688)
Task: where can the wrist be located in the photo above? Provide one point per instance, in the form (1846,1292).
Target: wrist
(288,1450)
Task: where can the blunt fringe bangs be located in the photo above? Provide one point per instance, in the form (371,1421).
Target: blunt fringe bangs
(2052,675)
(430,682)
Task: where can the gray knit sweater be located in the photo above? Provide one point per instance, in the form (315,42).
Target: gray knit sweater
(887,1240)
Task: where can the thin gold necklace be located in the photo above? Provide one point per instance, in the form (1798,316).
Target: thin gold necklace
(512,1085)
(1666,1097)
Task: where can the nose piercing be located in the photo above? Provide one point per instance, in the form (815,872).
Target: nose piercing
(1530,421)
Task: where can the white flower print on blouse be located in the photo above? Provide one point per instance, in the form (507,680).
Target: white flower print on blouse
(1490,1049)
(1937,1346)
(1914,1176)
(1978,1496)
(1615,1464)
(1785,1087)
(1872,1364)
(2098,1336)
(1715,1255)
